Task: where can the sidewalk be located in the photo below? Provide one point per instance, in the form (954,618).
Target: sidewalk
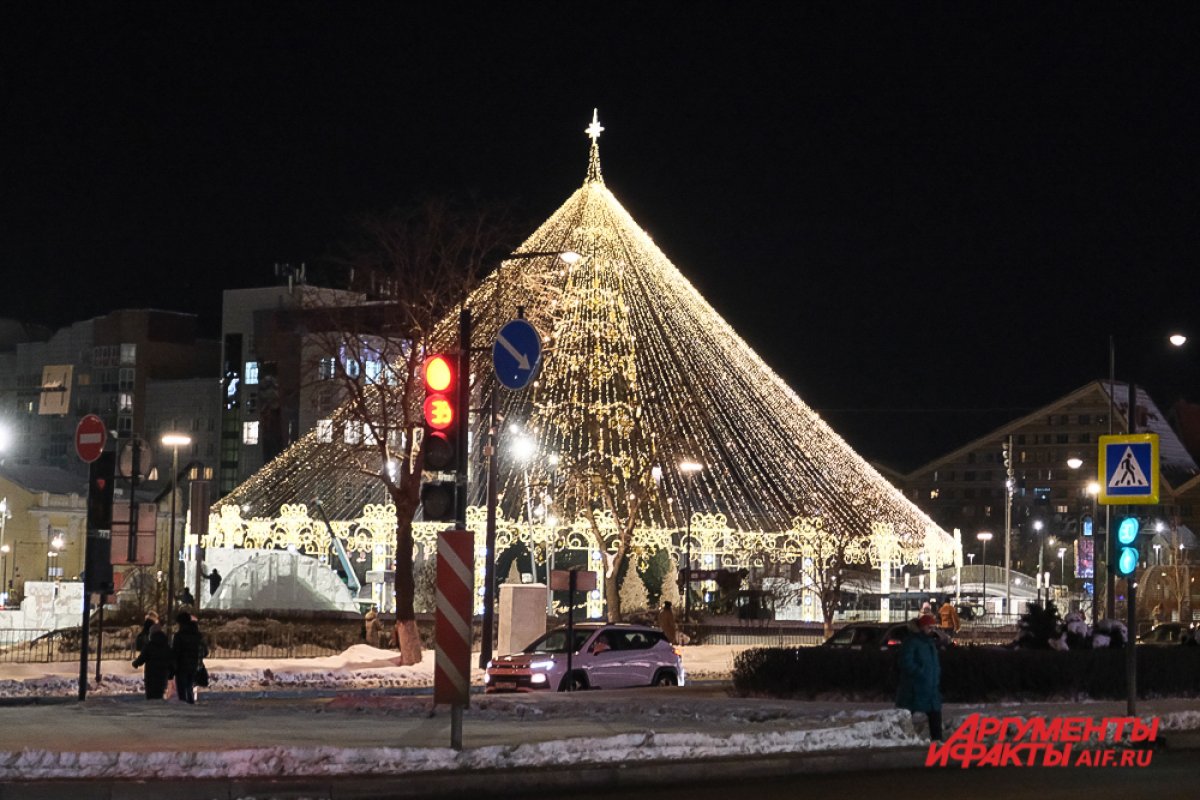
(508,741)
(319,723)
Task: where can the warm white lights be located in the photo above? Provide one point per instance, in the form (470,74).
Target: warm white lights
(1074,462)
(176,439)
(1177,339)
(638,371)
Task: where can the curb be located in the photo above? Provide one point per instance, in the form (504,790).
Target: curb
(642,774)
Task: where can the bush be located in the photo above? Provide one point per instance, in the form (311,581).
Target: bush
(969,674)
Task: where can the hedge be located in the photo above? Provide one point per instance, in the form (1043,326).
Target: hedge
(970,674)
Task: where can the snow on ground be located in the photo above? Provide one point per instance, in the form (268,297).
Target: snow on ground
(877,729)
(661,731)
(359,667)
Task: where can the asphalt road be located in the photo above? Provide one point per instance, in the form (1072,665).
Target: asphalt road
(1171,776)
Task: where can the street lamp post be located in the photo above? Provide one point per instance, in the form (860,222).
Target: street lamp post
(4,515)
(689,470)
(985,537)
(568,257)
(173,441)
(1037,529)
(1062,566)
(4,574)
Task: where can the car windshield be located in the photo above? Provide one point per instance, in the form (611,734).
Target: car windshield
(556,641)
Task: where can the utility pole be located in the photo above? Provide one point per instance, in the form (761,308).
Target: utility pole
(1008,501)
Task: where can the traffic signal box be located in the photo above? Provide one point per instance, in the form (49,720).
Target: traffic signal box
(98,571)
(1123,546)
(440,442)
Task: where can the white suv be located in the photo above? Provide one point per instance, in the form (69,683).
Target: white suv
(603,656)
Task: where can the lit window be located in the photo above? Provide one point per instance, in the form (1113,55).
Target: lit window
(250,432)
(353,433)
(129,354)
(374,370)
(251,373)
(933,494)
(325,431)
(326,369)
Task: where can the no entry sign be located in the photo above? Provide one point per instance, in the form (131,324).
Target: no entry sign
(90,436)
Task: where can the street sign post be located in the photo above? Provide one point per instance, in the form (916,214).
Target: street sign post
(452,626)
(90,437)
(572,580)
(1129,469)
(516,353)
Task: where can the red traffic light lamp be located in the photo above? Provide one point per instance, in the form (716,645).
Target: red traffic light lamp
(440,442)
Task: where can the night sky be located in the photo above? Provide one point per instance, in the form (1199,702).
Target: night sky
(927,217)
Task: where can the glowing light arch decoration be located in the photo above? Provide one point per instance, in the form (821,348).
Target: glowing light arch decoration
(630,346)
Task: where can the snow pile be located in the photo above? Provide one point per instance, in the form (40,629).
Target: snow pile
(877,729)
(358,667)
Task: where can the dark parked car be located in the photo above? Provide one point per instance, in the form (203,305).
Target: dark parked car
(868,636)
(1167,633)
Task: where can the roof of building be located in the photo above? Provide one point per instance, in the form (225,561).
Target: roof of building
(1177,465)
(44,479)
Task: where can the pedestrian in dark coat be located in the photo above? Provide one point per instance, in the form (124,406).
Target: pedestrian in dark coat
(214,582)
(190,650)
(921,673)
(149,625)
(159,662)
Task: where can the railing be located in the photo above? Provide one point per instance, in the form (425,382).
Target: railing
(36,646)
(774,635)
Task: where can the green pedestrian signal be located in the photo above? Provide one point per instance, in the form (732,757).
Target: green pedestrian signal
(1126,551)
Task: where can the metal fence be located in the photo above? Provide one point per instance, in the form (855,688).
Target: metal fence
(29,646)
(755,635)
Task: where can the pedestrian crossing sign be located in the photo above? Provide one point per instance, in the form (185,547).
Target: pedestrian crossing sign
(1128,469)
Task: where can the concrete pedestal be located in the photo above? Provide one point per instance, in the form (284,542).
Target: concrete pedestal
(522,616)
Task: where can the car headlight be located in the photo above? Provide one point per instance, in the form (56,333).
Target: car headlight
(489,665)
(541,665)
(487,678)
(539,677)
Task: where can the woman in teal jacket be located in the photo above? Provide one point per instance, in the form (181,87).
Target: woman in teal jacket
(921,674)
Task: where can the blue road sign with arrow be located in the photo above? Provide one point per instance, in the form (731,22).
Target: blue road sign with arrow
(516,353)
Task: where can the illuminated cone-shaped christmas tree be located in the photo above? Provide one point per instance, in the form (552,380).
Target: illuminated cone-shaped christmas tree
(640,375)
(638,367)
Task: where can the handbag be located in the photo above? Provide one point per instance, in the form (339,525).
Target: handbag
(201,679)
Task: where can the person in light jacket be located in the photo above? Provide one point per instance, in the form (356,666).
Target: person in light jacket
(666,621)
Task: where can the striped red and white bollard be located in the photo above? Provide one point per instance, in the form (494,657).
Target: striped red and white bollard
(452,631)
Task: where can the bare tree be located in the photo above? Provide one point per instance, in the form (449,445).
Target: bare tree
(619,482)
(411,268)
(824,564)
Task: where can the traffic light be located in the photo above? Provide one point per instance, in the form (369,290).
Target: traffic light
(100,492)
(1125,552)
(97,554)
(440,442)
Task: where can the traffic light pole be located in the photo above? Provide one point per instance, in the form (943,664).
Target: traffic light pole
(462,423)
(489,542)
(1131,594)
